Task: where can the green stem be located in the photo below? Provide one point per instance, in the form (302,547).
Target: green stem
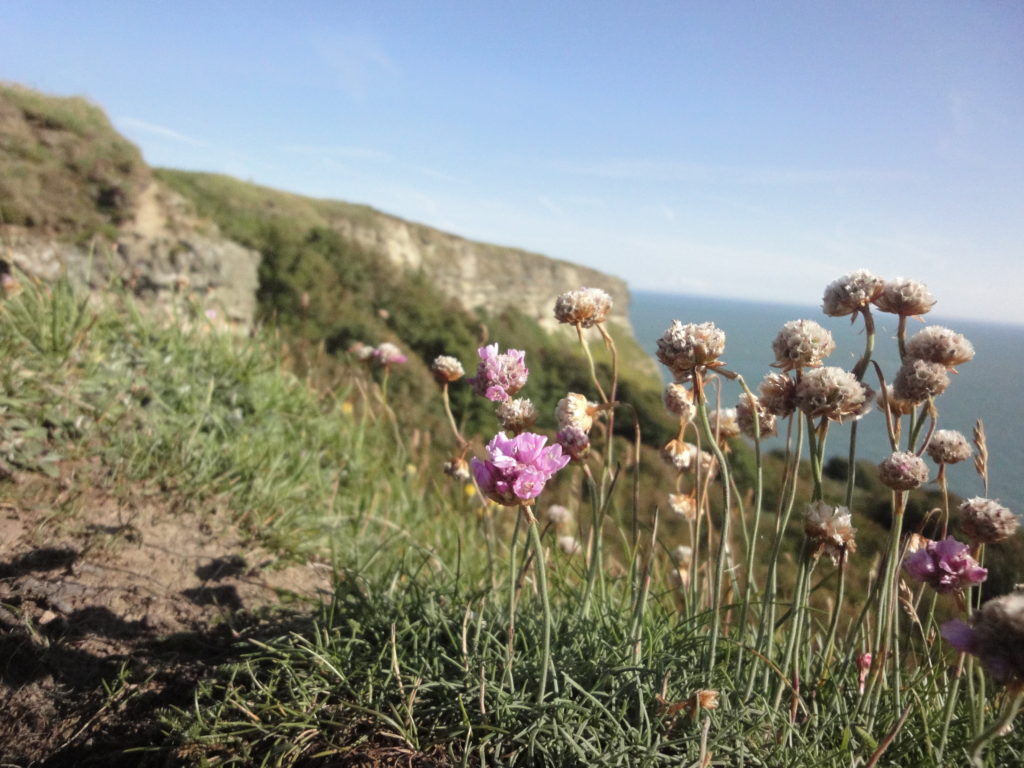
(723,467)
(542,585)
(1010,708)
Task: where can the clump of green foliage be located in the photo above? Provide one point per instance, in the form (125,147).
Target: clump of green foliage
(64,170)
(320,286)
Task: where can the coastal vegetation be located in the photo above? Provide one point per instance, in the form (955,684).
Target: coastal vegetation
(524,549)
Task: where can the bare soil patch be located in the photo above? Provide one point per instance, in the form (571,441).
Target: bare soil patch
(113,607)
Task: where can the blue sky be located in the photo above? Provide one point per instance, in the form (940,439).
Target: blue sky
(744,149)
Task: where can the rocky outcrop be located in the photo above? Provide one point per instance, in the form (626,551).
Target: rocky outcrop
(162,256)
(481,274)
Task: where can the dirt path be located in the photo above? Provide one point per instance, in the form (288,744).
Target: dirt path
(113,608)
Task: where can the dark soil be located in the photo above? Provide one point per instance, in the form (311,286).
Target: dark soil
(112,609)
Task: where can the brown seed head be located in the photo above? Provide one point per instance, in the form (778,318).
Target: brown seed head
(903,471)
(830,392)
(851,293)
(746,408)
(802,344)
(948,446)
(940,345)
(584,306)
(516,416)
(985,521)
(574,410)
(447,369)
(679,401)
(778,394)
(685,348)
(905,297)
(917,380)
(830,529)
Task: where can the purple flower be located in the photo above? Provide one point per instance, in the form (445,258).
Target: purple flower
(518,467)
(995,635)
(499,376)
(946,565)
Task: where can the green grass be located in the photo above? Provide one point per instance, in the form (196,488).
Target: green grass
(414,656)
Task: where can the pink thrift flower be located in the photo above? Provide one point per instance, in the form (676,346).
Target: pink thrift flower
(499,376)
(518,467)
(388,354)
(995,635)
(864,665)
(946,565)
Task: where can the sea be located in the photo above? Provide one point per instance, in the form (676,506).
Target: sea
(985,388)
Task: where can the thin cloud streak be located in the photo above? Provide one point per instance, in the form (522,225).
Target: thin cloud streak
(351,153)
(133,123)
(651,170)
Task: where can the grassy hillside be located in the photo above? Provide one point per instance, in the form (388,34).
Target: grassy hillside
(64,170)
(322,287)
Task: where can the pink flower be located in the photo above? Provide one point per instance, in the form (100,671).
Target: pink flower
(518,467)
(499,376)
(387,353)
(945,565)
(864,667)
(995,635)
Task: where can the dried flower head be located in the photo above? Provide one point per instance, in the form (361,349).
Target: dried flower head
(778,394)
(684,505)
(896,406)
(851,293)
(945,565)
(558,515)
(707,465)
(830,392)
(447,369)
(584,307)
(917,380)
(995,636)
(905,297)
(724,425)
(574,441)
(940,345)
(682,554)
(457,468)
(985,521)
(948,446)
(499,376)
(679,401)
(830,529)
(516,415)
(903,471)
(361,352)
(574,410)
(517,468)
(387,353)
(679,454)
(570,545)
(802,344)
(686,348)
(746,408)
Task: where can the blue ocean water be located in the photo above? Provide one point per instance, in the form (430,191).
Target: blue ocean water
(985,388)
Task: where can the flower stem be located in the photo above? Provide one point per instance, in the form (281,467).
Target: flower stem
(716,590)
(1010,708)
(542,585)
